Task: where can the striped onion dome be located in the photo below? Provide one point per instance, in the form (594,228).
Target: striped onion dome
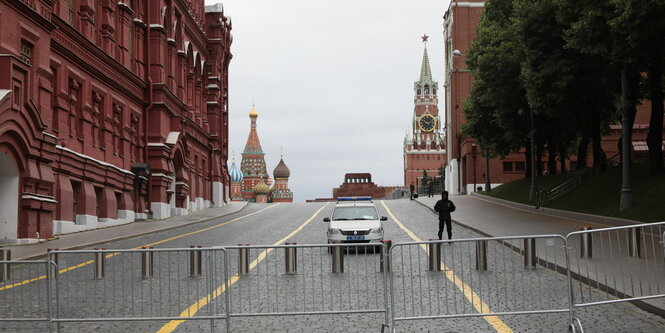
(281,171)
(261,188)
(235,173)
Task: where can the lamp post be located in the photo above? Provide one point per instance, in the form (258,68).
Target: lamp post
(626,199)
(457,53)
(532,188)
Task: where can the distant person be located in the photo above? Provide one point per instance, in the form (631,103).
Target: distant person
(430,190)
(444,207)
(412,188)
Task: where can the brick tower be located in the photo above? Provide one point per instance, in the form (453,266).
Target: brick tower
(253,165)
(424,148)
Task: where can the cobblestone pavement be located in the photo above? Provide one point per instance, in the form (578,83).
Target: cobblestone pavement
(505,286)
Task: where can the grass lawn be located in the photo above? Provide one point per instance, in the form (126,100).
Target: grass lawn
(600,195)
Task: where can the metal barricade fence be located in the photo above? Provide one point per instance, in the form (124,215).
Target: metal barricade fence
(479,277)
(618,264)
(24,293)
(139,285)
(306,280)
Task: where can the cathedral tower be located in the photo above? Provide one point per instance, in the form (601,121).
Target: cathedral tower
(253,165)
(281,192)
(236,181)
(424,149)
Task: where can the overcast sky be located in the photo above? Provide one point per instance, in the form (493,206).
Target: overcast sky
(332,82)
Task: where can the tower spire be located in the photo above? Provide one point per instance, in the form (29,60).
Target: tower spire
(425,70)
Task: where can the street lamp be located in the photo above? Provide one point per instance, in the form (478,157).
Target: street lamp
(488,185)
(457,53)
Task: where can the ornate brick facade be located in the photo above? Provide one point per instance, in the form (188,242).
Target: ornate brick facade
(111,111)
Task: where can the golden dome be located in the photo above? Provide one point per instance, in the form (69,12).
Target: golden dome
(261,188)
(253,113)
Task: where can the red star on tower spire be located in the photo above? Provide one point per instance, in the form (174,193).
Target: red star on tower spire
(424,37)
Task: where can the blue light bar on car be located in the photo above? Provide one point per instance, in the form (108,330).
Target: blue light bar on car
(354,198)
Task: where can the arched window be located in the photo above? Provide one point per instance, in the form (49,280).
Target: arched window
(419,92)
(426,90)
(434,91)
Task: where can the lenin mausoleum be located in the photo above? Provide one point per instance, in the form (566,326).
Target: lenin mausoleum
(110,112)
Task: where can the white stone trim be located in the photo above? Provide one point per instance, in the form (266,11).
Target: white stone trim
(39,198)
(49,134)
(217,191)
(94,160)
(126,215)
(160,210)
(467,4)
(162,175)
(157,144)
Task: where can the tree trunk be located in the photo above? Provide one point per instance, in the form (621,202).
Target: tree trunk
(582,150)
(595,136)
(562,157)
(551,159)
(655,136)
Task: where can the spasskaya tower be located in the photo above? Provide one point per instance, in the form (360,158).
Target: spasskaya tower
(424,150)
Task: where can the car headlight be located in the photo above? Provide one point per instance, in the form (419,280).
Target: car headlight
(334,231)
(376,231)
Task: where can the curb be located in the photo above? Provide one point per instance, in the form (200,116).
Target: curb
(598,219)
(81,246)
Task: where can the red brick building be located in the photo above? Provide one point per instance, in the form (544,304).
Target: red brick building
(465,164)
(424,148)
(360,184)
(110,111)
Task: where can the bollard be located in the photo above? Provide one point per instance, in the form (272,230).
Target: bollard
(100,259)
(5,274)
(291,259)
(530,260)
(146,262)
(243,260)
(434,251)
(195,262)
(338,259)
(586,244)
(481,255)
(53,269)
(384,253)
(635,242)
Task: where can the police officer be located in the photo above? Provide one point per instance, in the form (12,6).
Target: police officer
(444,207)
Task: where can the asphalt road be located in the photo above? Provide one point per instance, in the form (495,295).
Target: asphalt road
(269,294)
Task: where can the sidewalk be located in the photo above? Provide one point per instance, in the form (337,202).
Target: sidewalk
(89,238)
(496,219)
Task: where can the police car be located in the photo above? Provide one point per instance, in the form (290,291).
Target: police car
(355,220)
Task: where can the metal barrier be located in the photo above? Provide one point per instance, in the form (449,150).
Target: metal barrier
(273,287)
(22,302)
(475,277)
(139,285)
(497,283)
(627,265)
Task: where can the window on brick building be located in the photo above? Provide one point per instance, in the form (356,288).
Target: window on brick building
(76,189)
(520,166)
(507,166)
(98,201)
(54,99)
(26,52)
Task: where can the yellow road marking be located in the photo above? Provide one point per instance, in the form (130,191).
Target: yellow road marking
(194,308)
(89,262)
(468,292)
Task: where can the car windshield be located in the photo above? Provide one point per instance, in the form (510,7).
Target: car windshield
(355,213)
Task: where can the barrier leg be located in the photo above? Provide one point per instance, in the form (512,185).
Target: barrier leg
(5,273)
(586,244)
(100,263)
(384,251)
(635,242)
(195,264)
(530,260)
(291,259)
(146,263)
(243,260)
(338,259)
(434,250)
(481,255)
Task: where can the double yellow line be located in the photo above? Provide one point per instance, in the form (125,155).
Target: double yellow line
(89,262)
(194,308)
(468,292)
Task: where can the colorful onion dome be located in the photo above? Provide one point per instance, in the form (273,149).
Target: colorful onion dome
(281,170)
(261,188)
(253,113)
(235,173)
